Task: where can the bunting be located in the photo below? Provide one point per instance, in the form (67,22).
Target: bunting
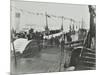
(42,14)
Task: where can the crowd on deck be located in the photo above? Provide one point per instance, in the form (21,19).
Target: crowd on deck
(39,36)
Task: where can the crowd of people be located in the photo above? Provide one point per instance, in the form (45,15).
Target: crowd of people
(39,36)
(29,35)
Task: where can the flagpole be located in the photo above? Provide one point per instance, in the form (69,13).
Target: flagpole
(46,19)
(46,28)
(62,22)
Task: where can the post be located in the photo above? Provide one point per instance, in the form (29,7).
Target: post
(62,54)
(62,47)
(14,55)
(46,28)
(62,23)
(46,19)
(12,39)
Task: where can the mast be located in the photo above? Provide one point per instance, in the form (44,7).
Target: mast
(62,23)
(46,27)
(92,30)
(17,21)
(82,26)
(46,19)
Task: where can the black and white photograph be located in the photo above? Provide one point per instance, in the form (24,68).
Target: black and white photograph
(51,37)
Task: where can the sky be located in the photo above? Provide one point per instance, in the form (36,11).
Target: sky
(38,22)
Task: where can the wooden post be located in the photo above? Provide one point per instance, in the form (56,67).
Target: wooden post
(62,54)
(12,41)
(14,55)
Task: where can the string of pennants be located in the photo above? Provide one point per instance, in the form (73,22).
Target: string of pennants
(43,14)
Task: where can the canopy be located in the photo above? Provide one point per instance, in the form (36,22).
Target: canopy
(20,44)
